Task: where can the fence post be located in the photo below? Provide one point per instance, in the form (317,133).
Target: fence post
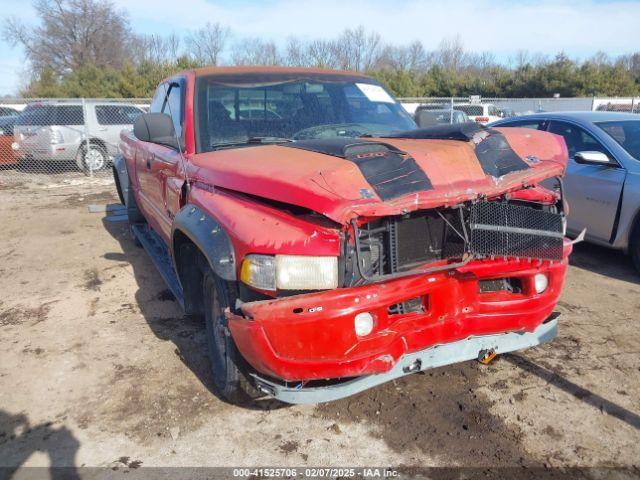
(86,138)
(451,112)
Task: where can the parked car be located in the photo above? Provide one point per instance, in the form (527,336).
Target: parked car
(482,113)
(7,156)
(602,182)
(8,112)
(63,131)
(429,118)
(333,246)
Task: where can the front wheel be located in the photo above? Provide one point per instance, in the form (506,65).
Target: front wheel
(228,367)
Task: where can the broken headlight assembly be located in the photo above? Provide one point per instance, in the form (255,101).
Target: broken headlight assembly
(290,272)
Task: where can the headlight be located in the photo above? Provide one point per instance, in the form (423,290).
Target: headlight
(290,272)
(541,282)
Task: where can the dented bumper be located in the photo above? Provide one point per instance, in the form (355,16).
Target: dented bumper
(432,357)
(312,337)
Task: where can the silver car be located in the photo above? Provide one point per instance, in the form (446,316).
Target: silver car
(602,181)
(65,131)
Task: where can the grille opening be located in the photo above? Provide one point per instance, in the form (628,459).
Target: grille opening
(398,244)
(511,285)
(410,306)
(484,229)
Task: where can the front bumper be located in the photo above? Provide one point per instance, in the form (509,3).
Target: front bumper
(312,337)
(437,356)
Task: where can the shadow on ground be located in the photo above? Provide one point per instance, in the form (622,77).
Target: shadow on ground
(163,314)
(19,440)
(438,413)
(604,261)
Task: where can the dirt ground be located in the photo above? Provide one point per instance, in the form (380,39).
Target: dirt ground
(99,368)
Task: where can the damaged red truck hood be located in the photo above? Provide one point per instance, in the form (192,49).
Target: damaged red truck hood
(341,188)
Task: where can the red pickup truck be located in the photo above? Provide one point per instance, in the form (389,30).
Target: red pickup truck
(329,244)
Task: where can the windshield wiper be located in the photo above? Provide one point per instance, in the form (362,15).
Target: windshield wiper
(252,141)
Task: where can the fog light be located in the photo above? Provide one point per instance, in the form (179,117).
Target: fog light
(541,282)
(363,323)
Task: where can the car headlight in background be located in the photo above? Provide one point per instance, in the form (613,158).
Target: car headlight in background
(290,272)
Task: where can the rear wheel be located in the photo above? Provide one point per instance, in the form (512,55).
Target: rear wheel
(229,368)
(92,158)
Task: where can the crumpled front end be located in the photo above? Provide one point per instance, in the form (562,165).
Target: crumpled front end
(414,281)
(484,258)
(313,336)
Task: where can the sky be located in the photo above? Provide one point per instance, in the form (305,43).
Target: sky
(502,27)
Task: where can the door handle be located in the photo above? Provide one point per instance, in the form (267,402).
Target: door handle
(149,160)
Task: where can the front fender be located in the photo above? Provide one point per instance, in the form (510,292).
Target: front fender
(210,238)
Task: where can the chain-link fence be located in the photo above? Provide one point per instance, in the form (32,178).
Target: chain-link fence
(59,139)
(434,110)
(55,140)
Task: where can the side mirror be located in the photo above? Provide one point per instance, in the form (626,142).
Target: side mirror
(593,158)
(156,128)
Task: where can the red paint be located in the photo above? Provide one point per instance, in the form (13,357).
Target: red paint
(238,188)
(7,155)
(304,346)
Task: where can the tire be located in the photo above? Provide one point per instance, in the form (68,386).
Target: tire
(92,159)
(634,246)
(228,367)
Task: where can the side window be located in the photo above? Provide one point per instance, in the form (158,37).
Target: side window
(116,114)
(158,99)
(576,138)
(532,124)
(173,107)
(69,115)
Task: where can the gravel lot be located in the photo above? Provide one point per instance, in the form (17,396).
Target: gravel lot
(99,368)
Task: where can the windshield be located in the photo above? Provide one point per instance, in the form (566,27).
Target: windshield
(626,133)
(238,114)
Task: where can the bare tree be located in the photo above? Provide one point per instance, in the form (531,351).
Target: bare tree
(207,43)
(71,34)
(297,53)
(323,54)
(450,54)
(359,50)
(254,51)
(156,48)
(403,58)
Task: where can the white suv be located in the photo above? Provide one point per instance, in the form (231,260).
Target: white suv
(480,112)
(63,131)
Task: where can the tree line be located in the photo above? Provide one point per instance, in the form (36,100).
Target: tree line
(87,48)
